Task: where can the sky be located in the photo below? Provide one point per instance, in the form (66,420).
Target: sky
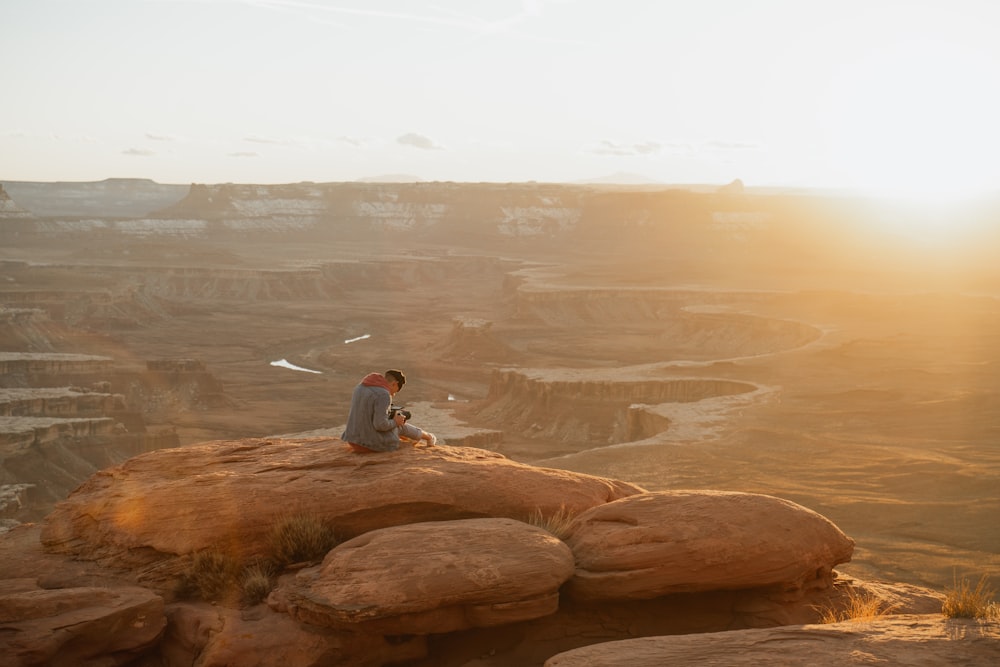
(891,96)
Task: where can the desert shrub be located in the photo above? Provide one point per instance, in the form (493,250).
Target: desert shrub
(557,524)
(860,606)
(256,581)
(300,538)
(211,575)
(963,600)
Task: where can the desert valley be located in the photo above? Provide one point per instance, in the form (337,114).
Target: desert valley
(811,347)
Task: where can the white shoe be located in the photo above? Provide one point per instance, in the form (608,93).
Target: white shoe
(433,439)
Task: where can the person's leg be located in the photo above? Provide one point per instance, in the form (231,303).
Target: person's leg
(410,432)
(414,434)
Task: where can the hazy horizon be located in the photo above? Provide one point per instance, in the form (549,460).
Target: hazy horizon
(885,97)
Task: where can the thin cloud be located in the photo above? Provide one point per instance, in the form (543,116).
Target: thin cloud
(418,141)
(352,141)
(647,148)
(159,137)
(244,154)
(138,152)
(717,145)
(253,139)
(678,148)
(614,148)
(606,147)
(52,136)
(437,16)
(445,18)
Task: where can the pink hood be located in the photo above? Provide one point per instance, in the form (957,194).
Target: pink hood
(376,380)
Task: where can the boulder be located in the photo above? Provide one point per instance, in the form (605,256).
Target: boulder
(437,567)
(654,544)
(211,636)
(78,626)
(889,640)
(143,514)
(433,577)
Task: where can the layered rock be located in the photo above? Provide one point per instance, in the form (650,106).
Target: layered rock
(61,420)
(211,636)
(510,214)
(588,406)
(56,402)
(115,197)
(429,578)
(656,544)
(900,640)
(438,545)
(77,626)
(33,364)
(9,208)
(154,509)
(236,283)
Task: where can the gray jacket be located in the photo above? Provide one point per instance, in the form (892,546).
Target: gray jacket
(368,423)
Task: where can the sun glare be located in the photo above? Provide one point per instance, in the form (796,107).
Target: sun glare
(938,224)
(914,121)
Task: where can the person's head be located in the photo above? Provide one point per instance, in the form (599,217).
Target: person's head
(394,375)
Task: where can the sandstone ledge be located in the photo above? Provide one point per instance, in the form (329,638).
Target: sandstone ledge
(439,559)
(149,512)
(433,577)
(890,640)
(654,544)
(75,626)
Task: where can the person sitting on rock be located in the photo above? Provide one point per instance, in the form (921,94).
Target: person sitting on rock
(369,427)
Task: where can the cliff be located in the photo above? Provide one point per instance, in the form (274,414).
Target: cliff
(112,197)
(9,209)
(734,228)
(459,214)
(677,339)
(65,416)
(432,543)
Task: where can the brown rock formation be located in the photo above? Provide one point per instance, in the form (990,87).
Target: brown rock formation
(868,360)
(433,577)
(683,541)
(436,566)
(75,626)
(152,509)
(900,640)
(116,197)
(9,208)
(212,636)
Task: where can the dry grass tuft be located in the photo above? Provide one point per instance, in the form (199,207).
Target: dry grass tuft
(300,539)
(256,582)
(963,600)
(558,524)
(211,575)
(861,606)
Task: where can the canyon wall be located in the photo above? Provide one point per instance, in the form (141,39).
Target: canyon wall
(455,213)
(585,408)
(702,232)
(112,197)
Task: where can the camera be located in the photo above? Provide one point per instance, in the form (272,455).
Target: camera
(393,409)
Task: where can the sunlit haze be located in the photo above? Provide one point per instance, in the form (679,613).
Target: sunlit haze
(887,96)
